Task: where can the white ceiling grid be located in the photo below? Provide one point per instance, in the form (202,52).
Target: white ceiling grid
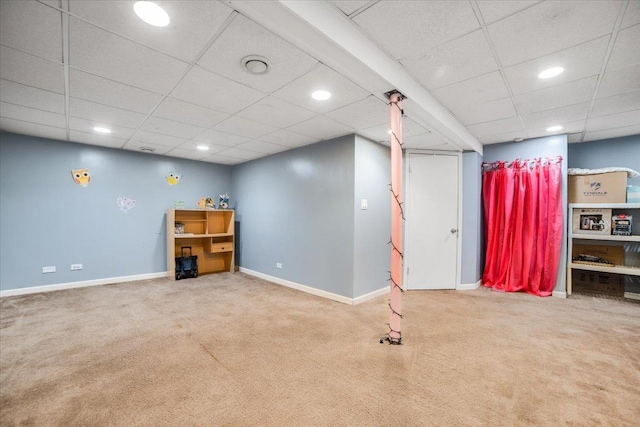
(174,88)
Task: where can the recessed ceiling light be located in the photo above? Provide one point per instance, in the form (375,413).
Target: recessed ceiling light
(100,129)
(321,95)
(554,128)
(148,149)
(151,13)
(254,64)
(550,72)
(202,147)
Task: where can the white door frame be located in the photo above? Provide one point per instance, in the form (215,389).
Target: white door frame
(407,228)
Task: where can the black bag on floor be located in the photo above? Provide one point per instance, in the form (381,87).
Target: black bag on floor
(186,266)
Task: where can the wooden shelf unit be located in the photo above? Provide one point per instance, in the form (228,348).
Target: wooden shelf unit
(211,235)
(616,269)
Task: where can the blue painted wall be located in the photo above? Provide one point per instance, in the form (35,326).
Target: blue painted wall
(296,208)
(620,152)
(372,227)
(471,218)
(540,147)
(48,220)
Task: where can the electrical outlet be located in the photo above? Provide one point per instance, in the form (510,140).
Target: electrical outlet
(49,269)
(363,204)
(278,265)
(76,267)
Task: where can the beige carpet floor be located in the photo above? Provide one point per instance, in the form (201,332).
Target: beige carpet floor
(232,350)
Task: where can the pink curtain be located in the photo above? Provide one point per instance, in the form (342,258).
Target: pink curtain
(522,203)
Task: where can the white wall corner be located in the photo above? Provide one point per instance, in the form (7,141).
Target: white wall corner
(82,284)
(469,287)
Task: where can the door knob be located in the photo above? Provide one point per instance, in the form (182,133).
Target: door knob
(453,230)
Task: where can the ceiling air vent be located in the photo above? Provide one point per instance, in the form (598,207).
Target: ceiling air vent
(256,65)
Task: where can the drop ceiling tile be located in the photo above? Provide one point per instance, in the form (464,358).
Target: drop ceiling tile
(32,115)
(612,133)
(96,139)
(350,6)
(556,116)
(408,28)
(557,96)
(188,154)
(27,96)
(244,127)
(244,37)
(580,61)
(33,129)
(460,59)
(488,87)
(210,90)
(137,146)
(511,124)
(321,127)
(288,138)
(368,112)
(343,91)
(32,27)
(104,54)
(262,147)
(180,111)
(625,50)
(493,10)
(276,112)
(616,104)
(485,112)
(97,89)
(220,138)
(567,128)
(241,154)
(105,113)
(629,118)
(502,137)
(620,81)
(631,15)
(171,128)
(192,25)
(86,126)
(223,160)
(30,70)
(157,139)
(193,146)
(551,26)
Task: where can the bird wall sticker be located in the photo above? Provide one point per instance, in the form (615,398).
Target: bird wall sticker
(174,178)
(81,176)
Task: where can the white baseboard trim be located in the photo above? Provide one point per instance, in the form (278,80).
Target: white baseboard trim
(371,295)
(82,284)
(469,287)
(298,286)
(559,294)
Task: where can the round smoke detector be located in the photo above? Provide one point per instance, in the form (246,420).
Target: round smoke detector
(254,64)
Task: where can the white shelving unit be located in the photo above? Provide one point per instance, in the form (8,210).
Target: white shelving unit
(617,269)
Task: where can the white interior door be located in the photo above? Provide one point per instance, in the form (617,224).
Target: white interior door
(431,250)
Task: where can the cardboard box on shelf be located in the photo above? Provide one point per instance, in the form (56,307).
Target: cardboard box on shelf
(592,221)
(608,187)
(597,282)
(613,254)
